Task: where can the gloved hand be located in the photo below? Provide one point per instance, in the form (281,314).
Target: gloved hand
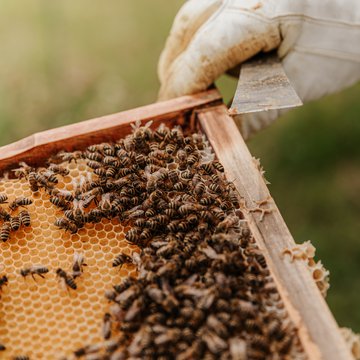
(317,40)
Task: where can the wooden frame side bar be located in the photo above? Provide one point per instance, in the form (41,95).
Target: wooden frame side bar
(40,146)
(317,328)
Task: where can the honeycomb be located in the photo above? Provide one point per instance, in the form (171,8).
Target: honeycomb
(352,340)
(306,252)
(40,318)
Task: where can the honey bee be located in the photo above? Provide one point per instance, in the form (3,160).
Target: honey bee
(3,281)
(21,357)
(109,149)
(15,223)
(63,194)
(107,326)
(59,202)
(22,201)
(180,186)
(2,347)
(3,198)
(5,231)
(94,164)
(122,259)
(23,171)
(24,217)
(214,342)
(4,215)
(34,270)
(57,169)
(86,350)
(216,164)
(67,279)
(67,156)
(215,188)
(230,222)
(94,156)
(207,167)
(67,225)
(50,176)
(33,182)
(78,263)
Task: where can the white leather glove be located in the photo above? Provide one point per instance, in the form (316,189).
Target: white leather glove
(317,40)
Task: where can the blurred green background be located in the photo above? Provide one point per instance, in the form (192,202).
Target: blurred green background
(66,61)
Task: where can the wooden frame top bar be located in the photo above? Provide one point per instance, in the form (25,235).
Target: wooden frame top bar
(39,146)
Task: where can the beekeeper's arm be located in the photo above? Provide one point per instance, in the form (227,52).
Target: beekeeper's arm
(317,40)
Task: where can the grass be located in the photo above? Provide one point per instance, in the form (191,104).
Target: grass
(66,61)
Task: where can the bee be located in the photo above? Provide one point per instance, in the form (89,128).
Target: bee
(214,342)
(109,149)
(22,201)
(67,225)
(94,148)
(4,215)
(3,281)
(186,175)
(216,164)
(63,194)
(24,217)
(23,171)
(167,250)
(50,176)
(67,279)
(122,259)
(21,357)
(2,347)
(192,159)
(33,182)
(15,223)
(86,350)
(59,202)
(5,231)
(199,188)
(189,148)
(67,156)
(179,186)
(57,169)
(78,263)
(106,326)
(207,167)
(231,221)
(94,164)
(188,208)
(173,175)
(34,270)
(3,198)
(94,156)
(215,188)
(168,336)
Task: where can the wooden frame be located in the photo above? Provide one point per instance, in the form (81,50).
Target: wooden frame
(307,309)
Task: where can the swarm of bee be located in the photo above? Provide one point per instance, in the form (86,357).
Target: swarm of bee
(11,221)
(203,288)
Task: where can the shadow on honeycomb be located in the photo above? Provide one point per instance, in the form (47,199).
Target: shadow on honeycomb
(40,318)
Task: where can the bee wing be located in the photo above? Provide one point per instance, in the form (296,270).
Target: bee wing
(148,124)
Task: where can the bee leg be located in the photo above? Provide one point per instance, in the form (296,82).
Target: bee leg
(33,276)
(41,275)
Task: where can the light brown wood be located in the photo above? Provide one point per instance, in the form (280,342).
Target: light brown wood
(38,147)
(308,310)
